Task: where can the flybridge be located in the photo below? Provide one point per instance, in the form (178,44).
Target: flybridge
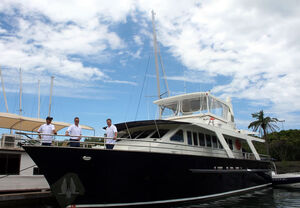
(198,103)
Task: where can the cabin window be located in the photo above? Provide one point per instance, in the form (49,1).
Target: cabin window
(178,136)
(135,134)
(195,138)
(201,139)
(214,142)
(125,135)
(189,137)
(229,142)
(220,145)
(208,140)
(145,134)
(10,164)
(160,133)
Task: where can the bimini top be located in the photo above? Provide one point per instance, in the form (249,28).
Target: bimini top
(16,122)
(194,103)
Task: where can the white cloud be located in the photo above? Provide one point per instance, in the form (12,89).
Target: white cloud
(254,43)
(137,39)
(46,35)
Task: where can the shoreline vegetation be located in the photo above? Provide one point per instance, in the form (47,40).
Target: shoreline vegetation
(288,167)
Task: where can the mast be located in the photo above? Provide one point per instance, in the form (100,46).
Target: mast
(3,89)
(39,99)
(50,98)
(20,103)
(155,53)
(156,61)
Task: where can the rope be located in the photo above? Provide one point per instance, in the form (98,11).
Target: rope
(20,171)
(156,128)
(142,88)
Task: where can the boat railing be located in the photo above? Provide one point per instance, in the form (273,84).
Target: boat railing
(150,145)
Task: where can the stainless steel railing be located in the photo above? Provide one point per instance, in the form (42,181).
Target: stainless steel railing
(150,145)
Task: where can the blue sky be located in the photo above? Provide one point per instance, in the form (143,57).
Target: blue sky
(98,52)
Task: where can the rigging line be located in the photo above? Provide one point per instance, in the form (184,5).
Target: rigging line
(156,126)
(128,130)
(137,110)
(20,171)
(163,69)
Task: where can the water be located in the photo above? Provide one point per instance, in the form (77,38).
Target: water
(266,198)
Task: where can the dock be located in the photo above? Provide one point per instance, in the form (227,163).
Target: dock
(28,199)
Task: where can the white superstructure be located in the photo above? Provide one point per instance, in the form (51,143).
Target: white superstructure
(194,124)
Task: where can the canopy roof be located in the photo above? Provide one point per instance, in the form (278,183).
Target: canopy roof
(192,101)
(13,121)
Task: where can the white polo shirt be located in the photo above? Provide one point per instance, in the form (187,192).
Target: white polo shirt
(46,129)
(110,132)
(74,131)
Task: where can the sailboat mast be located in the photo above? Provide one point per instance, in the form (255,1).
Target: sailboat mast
(156,61)
(3,89)
(20,99)
(155,53)
(39,99)
(50,98)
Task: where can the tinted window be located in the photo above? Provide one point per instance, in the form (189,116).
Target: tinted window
(214,142)
(146,133)
(220,145)
(201,139)
(178,136)
(160,133)
(230,144)
(208,140)
(135,134)
(189,138)
(125,136)
(195,138)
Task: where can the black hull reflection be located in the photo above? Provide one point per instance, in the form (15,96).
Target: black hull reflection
(96,176)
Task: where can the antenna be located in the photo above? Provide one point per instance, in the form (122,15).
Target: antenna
(3,89)
(50,97)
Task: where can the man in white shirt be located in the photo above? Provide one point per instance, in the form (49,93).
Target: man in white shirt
(47,129)
(112,133)
(75,132)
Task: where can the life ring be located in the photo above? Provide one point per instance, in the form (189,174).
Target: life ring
(238,144)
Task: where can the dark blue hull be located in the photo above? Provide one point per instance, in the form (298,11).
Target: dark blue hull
(96,176)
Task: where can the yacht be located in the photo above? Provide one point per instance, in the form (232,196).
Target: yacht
(193,151)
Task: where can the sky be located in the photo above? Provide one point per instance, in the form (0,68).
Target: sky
(101,55)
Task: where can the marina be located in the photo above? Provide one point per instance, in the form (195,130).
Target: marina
(191,152)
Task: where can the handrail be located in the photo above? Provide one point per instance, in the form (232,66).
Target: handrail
(180,147)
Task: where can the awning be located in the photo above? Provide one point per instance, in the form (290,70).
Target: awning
(16,122)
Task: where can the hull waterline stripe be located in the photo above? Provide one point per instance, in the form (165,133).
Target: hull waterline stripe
(172,200)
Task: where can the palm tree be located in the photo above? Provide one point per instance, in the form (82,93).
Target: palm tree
(264,124)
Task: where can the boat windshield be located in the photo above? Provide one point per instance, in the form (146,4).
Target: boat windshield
(203,103)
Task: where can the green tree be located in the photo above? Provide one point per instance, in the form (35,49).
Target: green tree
(264,125)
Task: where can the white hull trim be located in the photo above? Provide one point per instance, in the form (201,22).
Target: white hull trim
(173,200)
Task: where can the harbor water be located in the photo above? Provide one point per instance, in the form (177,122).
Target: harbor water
(267,198)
